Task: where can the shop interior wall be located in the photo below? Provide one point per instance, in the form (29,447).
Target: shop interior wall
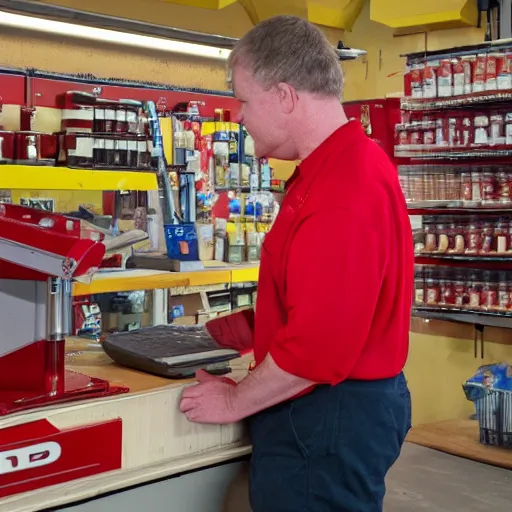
(442,354)
(68,55)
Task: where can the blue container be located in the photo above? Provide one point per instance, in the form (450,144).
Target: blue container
(181,241)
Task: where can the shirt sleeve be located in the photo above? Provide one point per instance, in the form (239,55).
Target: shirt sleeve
(334,276)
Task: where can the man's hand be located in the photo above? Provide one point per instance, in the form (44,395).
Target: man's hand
(220,400)
(210,401)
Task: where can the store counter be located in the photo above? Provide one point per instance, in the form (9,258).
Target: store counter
(158,441)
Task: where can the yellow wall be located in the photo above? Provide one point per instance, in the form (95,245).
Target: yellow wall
(381,72)
(442,357)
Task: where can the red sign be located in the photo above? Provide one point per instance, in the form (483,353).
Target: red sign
(37,454)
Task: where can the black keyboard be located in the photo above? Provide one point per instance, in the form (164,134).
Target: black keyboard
(172,351)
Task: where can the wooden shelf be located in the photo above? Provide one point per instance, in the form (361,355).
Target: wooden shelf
(487,319)
(31,177)
(245,274)
(460,438)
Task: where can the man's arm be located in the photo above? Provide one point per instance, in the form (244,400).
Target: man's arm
(333,280)
(265,386)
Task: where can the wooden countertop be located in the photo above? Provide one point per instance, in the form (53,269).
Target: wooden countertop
(460,438)
(87,357)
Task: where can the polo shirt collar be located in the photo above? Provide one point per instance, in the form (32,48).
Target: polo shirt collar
(345,136)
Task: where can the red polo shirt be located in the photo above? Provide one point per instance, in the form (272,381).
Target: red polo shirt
(337,268)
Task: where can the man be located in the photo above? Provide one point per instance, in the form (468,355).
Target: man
(328,403)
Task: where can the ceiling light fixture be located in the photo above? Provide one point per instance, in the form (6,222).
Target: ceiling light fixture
(110,36)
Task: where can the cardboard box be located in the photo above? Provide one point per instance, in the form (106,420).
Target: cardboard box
(187,306)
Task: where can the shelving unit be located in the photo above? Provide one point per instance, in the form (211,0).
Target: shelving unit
(30,177)
(135,279)
(454,153)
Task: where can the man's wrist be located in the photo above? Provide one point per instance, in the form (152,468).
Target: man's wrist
(236,402)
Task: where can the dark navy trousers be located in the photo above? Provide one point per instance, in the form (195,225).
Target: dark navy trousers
(329,451)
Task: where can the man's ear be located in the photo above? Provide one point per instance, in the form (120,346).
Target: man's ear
(287,97)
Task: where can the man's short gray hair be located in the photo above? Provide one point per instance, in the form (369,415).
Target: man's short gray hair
(291,50)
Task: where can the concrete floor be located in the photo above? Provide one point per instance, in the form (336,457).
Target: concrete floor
(424,479)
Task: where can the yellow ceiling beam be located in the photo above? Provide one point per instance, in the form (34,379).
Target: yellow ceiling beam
(335,13)
(250,8)
(433,14)
(339,14)
(204,4)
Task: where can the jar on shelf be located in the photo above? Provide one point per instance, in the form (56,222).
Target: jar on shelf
(403,138)
(132,119)
(429,186)
(467,131)
(440,187)
(452,179)
(452,132)
(416,139)
(473,238)
(121,125)
(99,120)
(501,235)
(508,128)
(419,289)
(489,294)
(121,152)
(143,154)
(460,295)
(7,147)
(76,149)
(488,188)
(429,137)
(456,238)
(503,187)
(441,132)
(474,292)
(99,152)
(432,291)
(509,238)
(416,186)
(497,130)
(446,292)
(443,242)
(487,238)
(481,124)
(132,157)
(476,186)
(110,159)
(430,237)
(110,118)
(503,293)
(466,186)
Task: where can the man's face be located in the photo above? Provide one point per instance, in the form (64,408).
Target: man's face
(261,112)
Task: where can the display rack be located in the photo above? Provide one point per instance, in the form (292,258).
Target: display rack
(30,177)
(454,152)
(134,279)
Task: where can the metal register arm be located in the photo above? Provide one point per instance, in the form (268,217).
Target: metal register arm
(40,255)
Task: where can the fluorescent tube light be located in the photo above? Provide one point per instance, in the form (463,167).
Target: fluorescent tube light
(110,36)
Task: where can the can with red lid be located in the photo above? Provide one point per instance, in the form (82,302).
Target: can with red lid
(35,148)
